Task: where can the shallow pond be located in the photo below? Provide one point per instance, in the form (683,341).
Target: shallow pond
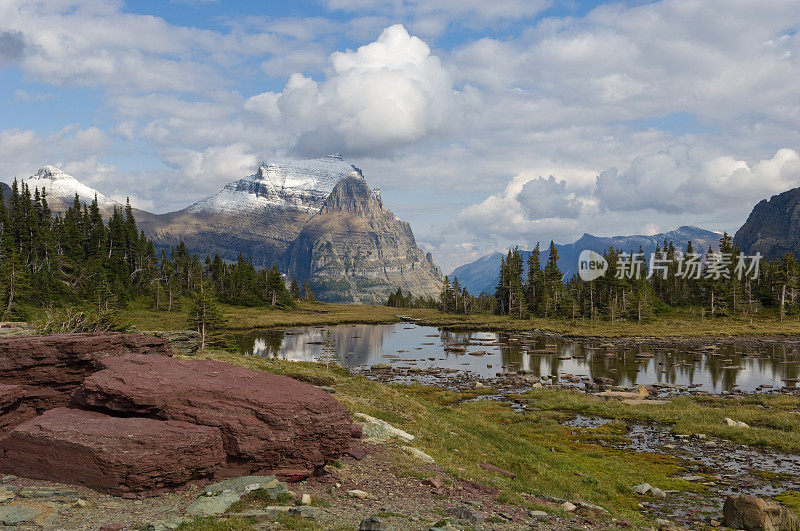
(405,346)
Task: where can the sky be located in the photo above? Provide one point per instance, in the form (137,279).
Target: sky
(485,124)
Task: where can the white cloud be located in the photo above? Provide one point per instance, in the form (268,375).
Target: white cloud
(681,180)
(385,95)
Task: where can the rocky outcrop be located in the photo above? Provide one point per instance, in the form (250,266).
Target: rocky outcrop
(119,456)
(356,251)
(141,422)
(269,423)
(773,227)
(258,216)
(758,514)
(49,368)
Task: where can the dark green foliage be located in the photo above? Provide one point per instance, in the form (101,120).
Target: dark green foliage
(205,315)
(78,260)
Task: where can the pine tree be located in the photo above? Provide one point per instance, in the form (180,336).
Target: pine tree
(205,315)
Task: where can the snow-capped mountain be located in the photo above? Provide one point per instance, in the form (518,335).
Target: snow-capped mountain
(347,235)
(62,187)
(302,184)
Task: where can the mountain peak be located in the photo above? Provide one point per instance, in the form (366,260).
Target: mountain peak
(53,173)
(301,184)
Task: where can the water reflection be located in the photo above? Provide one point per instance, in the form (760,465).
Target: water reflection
(486,353)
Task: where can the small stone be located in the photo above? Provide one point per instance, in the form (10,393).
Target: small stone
(381,430)
(305,499)
(715,523)
(306,511)
(434,482)
(80,502)
(658,492)
(213,505)
(538,514)
(463,512)
(113,526)
(751,512)
(243,484)
(359,494)
(735,423)
(375,523)
(642,489)
(569,506)
(6,494)
(18,514)
(478,385)
(419,454)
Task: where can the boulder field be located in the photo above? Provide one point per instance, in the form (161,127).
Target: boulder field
(116,413)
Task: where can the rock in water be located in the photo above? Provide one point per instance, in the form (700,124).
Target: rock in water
(110,454)
(269,423)
(758,514)
(49,368)
(354,250)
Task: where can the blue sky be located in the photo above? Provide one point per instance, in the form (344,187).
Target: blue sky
(647,115)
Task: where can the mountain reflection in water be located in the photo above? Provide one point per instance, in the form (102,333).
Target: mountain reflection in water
(403,345)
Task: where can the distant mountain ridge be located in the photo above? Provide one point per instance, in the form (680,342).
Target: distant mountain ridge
(353,250)
(481,275)
(773,226)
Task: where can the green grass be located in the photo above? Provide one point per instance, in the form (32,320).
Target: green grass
(685,322)
(460,437)
(214,524)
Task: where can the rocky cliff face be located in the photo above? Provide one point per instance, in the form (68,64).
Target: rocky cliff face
(258,216)
(773,227)
(354,250)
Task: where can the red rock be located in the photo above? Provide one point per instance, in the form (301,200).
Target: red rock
(110,454)
(493,468)
(269,423)
(10,396)
(357,451)
(49,368)
(435,482)
(12,412)
(114,526)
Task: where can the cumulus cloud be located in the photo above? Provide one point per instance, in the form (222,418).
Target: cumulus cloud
(215,164)
(384,95)
(681,180)
(526,209)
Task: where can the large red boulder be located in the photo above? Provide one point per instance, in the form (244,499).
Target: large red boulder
(119,456)
(49,368)
(269,423)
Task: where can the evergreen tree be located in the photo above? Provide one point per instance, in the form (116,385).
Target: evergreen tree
(205,315)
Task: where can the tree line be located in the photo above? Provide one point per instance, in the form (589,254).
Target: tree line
(638,287)
(628,289)
(77,259)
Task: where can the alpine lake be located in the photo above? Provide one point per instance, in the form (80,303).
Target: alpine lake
(411,349)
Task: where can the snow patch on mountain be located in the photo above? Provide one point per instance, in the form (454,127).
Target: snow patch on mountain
(62,187)
(302,184)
